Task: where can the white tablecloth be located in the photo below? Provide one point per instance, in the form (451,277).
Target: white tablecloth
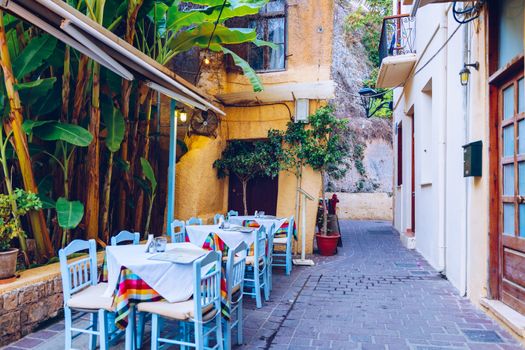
(266,222)
(174,282)
(198,234)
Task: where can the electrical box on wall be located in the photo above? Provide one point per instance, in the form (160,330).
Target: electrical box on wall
(302,110)
(472,159)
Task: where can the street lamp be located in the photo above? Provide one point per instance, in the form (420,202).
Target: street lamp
(368,95)
(464,73)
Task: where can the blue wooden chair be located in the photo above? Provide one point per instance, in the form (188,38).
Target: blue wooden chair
(202,313)
(235,269)
(194,221)
(180,235)
(82,293)
(256,277)
(125,236)
(269,256)
(233,213)
(216,218)
(283,256)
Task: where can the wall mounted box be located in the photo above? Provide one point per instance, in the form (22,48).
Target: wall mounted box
(472,159)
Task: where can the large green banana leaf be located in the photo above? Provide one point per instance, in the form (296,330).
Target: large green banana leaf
(69,213)
(33,56)
(147,170)
(115,126)
(31,91)
(73,134)
(246,69)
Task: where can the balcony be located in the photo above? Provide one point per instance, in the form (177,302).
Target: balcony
(397,50)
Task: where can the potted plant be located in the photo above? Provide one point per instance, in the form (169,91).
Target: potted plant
(325,153)
(13,205)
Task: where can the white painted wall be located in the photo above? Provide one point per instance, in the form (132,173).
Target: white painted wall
(444,121)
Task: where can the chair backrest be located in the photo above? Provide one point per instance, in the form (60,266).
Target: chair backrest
(216,218)
(271,235)
(125,236)
(178,236)
(194,221)
(289,233)
(235,268)
(81,273)
(233,213)
(207,285)
(259,250)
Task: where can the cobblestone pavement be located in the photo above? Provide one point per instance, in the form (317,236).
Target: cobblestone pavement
(374,294)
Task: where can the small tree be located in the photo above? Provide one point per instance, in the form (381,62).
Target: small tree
(247,160)
(325,149)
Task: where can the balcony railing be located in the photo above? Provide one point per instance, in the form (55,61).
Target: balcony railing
(398,36)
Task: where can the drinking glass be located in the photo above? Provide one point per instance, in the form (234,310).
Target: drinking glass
(160,243)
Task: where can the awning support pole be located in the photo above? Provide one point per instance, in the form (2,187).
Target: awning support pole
(172,166)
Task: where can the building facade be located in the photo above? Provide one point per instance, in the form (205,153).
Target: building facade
(459,175)
(298,69)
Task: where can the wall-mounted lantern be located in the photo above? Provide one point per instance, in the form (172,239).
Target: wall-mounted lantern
(368,95)
(181,114)
(464,73)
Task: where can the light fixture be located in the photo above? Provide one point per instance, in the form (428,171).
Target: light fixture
(368,95)
(206,60)
(464,73)
(183,116)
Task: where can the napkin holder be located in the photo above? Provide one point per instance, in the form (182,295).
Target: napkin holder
(150,244)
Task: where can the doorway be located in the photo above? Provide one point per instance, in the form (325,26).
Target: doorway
(261,195)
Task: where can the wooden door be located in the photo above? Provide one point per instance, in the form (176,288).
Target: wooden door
(511,182)
(261,195)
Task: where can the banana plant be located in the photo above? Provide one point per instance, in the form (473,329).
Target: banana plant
(67,138)
(177,31)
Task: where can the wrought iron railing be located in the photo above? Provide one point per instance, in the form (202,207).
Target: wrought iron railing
(398,36)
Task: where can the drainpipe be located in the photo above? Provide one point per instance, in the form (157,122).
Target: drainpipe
(442,219)
(466,111)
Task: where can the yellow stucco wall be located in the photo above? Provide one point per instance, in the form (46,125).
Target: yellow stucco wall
(309,50)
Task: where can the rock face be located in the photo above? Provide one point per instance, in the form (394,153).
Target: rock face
(370,140)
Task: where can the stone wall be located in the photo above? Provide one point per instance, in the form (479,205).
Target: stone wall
(364,206)
(23,309)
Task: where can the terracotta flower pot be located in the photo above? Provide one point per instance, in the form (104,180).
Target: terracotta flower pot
(8,263)
(327,244)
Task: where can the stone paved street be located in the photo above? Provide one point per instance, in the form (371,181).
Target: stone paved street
(373,295)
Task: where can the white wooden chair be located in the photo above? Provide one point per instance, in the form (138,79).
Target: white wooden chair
(282,257)
(256,265)
(180,235)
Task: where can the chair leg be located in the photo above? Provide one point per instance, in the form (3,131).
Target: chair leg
(218,332)
(257,284)
(103,329)
(130,329)
(140,329)
(266,285)
(227,334)
(199,336)
(68,321)
(155,332)
(94,327)
(239,323)
(288,261)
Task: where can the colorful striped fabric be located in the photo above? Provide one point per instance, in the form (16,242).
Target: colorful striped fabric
(281,231)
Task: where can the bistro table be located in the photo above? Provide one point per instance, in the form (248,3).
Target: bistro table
(206,235)
(281,224)
(133,277)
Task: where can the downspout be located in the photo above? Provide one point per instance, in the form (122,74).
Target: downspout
(443,147)
(466,109)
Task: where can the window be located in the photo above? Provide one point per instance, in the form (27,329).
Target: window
(399,154)
(270,25)
(510,30)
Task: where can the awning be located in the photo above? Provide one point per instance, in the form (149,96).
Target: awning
(395,70)
(318,90)
(85,35)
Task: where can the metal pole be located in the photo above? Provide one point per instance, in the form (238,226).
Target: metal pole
(303,230)
(172,166)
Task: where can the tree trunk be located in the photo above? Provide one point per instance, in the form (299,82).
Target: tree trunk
(145,152)
(244,199)
(107,191)
(65,85)
(14,124)
(325,211)
(93,161)
(133,10)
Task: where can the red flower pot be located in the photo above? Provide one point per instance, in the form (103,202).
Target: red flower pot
(327,244)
